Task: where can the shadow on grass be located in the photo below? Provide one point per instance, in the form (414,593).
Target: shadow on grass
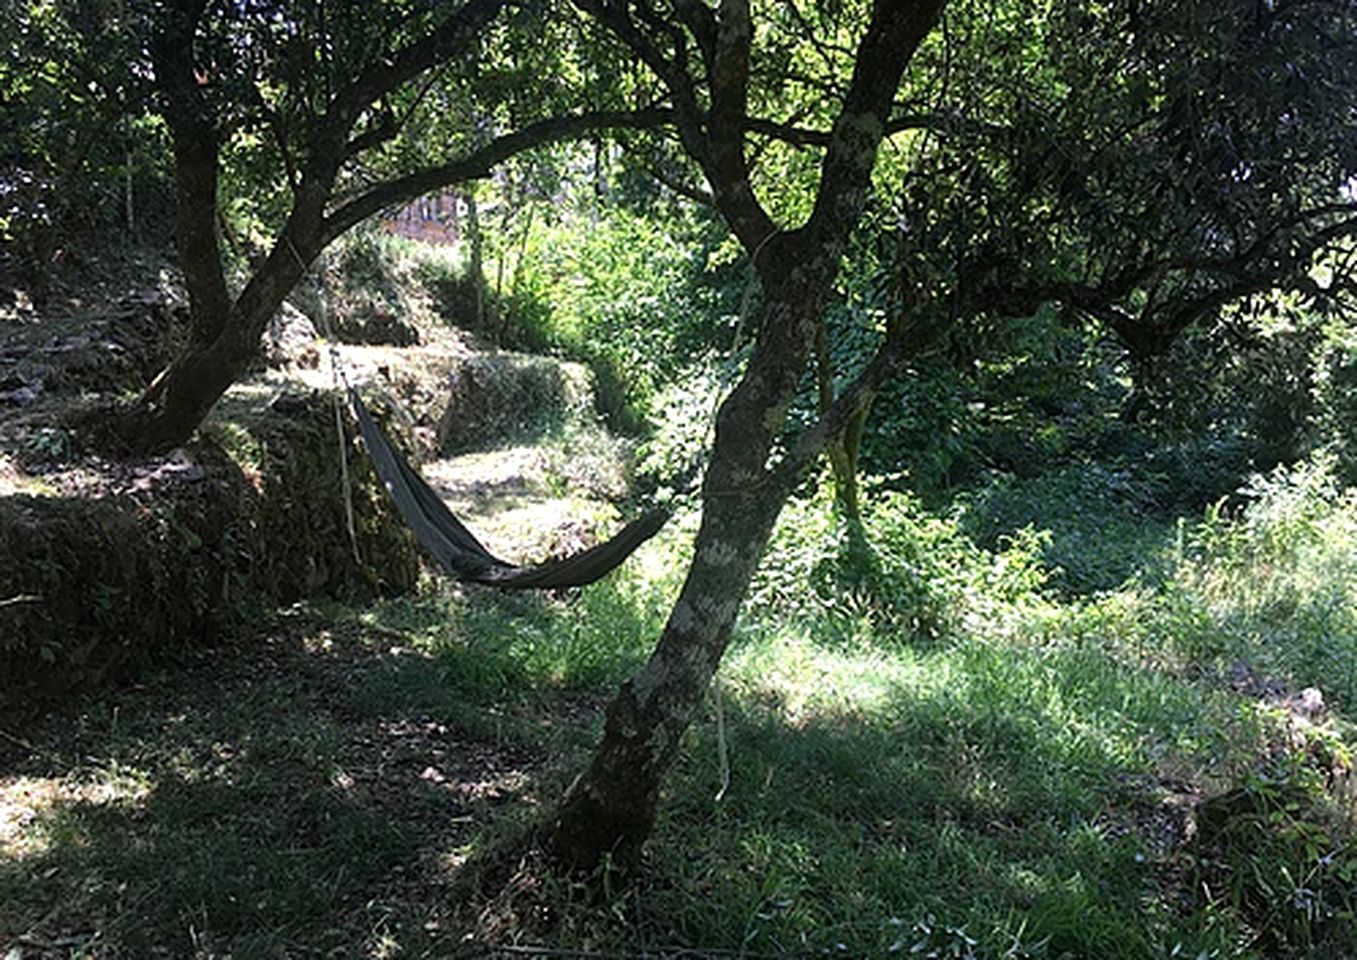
(261,803)
(322,793)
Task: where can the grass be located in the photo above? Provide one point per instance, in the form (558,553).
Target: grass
(1020,780)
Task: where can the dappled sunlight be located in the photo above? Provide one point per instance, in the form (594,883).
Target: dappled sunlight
(1088,709)
(968,770)
(254,799)
(808,681)
(1002,356)
(29,805)
(22,801)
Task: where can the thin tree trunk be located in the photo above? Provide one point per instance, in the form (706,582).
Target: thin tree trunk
(477,267)
(842,448)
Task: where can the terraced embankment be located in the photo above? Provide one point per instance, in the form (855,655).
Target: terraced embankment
(108,566)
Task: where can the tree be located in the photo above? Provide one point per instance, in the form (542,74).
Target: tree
(320,101)
(76,155)
(1052,157)
(1085,161)
(703,57)
(1142,167)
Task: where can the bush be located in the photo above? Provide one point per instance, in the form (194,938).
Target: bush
(1336,400)
(635,299)
(1276,849)
(904,575)
(1275,576)
(1100,522)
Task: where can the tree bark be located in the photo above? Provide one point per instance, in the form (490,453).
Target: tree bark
(610,809)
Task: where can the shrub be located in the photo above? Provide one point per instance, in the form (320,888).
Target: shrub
(904,575)
(1275,576)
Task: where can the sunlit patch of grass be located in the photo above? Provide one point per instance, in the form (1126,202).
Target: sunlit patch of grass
(977,796)
(29,805)
(15,480)
(22,801)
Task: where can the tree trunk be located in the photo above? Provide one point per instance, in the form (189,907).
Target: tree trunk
(180,397)
(220,349)
(842,448)
(476,270)
(610,809)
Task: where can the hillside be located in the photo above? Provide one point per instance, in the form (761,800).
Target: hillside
(938,747)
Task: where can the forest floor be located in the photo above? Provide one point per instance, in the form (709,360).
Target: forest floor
(1156,770)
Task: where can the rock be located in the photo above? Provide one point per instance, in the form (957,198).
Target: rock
(290,340)
(1309,703)
(374,322)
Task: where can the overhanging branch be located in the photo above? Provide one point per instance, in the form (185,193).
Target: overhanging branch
(478,163)
(409,62)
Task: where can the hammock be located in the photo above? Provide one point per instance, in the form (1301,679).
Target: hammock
(459,552)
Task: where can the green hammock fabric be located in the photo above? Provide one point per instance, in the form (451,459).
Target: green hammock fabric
(459,552)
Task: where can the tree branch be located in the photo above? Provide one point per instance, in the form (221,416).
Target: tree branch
(675,77)
(700,21)
(896,29)
(809,137)
(479,162)
(725,164)
(678,186)
(409,62)
(910,340)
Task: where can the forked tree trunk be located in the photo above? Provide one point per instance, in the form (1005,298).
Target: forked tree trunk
(610,808)
(223,341)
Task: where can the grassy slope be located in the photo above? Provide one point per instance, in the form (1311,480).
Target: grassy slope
(942,756)
(1019,786)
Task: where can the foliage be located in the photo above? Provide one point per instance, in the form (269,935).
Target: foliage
(1091,164)
(1101,524)
(905,576)
(79,151)
(1336,398)
(1278,850)
(1273,580)
(637,298)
